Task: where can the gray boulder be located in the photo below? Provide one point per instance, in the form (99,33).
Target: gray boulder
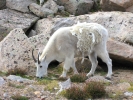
(19,5)
(15,52)
(77,7)
(120,52)
(18,79)
(50,4)
(16,48)
(10,19)
(116,5)
(49,8)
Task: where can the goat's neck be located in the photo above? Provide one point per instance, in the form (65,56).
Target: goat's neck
(48,54)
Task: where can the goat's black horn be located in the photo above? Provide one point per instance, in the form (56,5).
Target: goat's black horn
(33,56)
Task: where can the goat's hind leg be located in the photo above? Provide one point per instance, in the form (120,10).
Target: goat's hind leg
(105,58)
(94,62)
(74,67)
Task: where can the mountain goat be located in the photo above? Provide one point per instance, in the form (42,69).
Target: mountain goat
(66,42)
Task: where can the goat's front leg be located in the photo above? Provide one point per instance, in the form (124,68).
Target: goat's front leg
(94,62)
(66,66)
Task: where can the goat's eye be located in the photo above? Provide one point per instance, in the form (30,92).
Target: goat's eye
(40,66)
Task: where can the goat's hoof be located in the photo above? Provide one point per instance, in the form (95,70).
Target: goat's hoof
(90,75)
(107,78)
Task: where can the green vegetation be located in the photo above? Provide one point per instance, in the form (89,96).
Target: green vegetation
(78,77)
(96,6)
(90,90)
(17,71)
(19,97)
(75,93)
(95,89)
(51,85)
(2,73)
(115,96)
(16,86)
(44,81)
(131,88)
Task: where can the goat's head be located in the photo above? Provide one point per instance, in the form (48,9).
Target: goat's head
(41,65)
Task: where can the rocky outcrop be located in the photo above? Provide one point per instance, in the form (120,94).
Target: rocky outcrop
(116,5)
(10,19)
(19,5)
(119,25)
(2,4)
(15,52)
(121,52)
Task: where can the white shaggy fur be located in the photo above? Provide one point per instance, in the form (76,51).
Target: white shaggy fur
(62,46)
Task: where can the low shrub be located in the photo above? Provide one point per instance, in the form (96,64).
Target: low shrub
(19,97)
(95,89)
(16,86)
(75,93)
(17,71)
(78,77)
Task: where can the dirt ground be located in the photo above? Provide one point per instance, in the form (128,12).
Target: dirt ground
(120,82)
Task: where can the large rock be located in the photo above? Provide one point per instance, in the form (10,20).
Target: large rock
(50,4)
(10,19)
(49,8)
(116,5)
(19,5)
(130,9)
(2,4)
(76,7)
(46,26)
(121,52)
(119,24)
(15,51)
(39,41)
(16,48)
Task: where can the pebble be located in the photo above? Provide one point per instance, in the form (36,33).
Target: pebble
(5,95)
(38,94)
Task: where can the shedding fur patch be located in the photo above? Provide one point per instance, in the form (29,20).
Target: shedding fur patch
(88,35)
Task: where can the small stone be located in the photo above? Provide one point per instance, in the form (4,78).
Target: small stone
(2,81)
(5,95)
(43,97)
(38,94)
(128,93)
(20,81)
(56,88)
